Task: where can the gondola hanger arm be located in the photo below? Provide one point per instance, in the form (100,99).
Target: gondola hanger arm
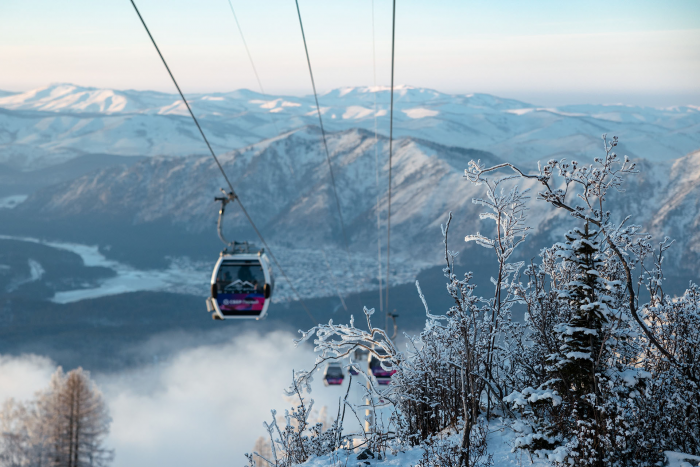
(224,200)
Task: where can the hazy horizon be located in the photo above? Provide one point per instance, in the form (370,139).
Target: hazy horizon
(640,53)
(544,99)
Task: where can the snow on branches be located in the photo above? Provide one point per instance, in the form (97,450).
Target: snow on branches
(339,341)
(594,181)
(590,379)
(594,376)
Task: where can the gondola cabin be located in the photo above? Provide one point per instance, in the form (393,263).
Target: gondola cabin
(333,375)
(375,367)
(241,286)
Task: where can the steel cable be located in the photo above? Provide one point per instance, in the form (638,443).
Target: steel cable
(252,64)
(325,145)
(233,193)
(391,152)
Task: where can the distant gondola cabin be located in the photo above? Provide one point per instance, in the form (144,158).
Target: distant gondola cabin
(383,376)
(333,375)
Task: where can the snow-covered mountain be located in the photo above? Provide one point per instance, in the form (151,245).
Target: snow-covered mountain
(285,186)
(678,214)
(284,183)
(46,126)
(279,169)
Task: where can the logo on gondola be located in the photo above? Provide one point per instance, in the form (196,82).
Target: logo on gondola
(239,286)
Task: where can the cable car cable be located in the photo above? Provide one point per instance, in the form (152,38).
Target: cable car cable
(376,174)
(219,164)
(325,144)
(250,57)
(274,122)
(391,139)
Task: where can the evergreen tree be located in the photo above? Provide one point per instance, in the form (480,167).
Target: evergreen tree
(577,367)
(582,336)
(576,324)
(581,406)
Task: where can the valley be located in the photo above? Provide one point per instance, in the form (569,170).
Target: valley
(119,239)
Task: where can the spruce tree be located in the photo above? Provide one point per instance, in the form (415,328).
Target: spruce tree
(564,411)
(577,366)
(582,336)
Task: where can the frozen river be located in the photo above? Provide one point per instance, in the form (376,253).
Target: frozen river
(315,273)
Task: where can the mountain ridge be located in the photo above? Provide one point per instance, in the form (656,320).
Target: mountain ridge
(285,186)
(50,125)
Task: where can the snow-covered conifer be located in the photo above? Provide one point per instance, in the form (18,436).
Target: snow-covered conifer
(582,336)
(592,353)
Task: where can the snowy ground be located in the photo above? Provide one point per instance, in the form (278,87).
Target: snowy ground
(499,446)
(676,459)
(315,273)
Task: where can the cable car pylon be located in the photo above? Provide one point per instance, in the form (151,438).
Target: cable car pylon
(391,153)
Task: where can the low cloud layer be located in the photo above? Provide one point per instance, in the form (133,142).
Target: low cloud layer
(201,406)
(21,377)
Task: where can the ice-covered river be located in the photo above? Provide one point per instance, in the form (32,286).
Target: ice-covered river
(315,273)
(181,276)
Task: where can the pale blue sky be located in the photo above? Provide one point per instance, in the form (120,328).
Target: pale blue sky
(639,52)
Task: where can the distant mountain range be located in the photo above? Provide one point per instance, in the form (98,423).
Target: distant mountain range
(51,125)
(129,167)
(284,183)
(127,172)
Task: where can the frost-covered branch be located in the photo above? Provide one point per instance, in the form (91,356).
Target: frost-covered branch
(595,181)
(338,341)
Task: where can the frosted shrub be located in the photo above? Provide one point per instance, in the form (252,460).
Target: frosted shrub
(298,440)
(577,363)
(441,450)
(593,377)
(452,374)
(671,411)
(605,379)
